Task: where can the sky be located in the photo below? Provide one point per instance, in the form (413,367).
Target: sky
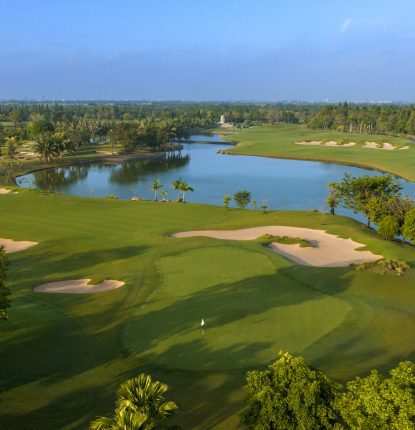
(208,50)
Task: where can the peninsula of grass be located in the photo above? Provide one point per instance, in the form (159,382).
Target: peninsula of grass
(279,141)
(267,239)
(63,355)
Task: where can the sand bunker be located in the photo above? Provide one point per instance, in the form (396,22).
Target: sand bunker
(78,286)
(4,191)
(329,143)
(370,145)
(386,146)
(328,250)
(11,245)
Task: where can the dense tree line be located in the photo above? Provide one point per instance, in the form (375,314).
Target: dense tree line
(343,117)
(379,119)
(193,114)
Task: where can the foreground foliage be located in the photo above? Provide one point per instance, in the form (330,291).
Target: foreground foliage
(291,395)
(140,405)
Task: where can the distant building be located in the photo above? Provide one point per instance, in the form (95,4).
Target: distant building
(223,123)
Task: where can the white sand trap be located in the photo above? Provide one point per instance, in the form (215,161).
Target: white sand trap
(312,142)
(404,147)
(331,143)
(388,146)
(370,145)
(329,250)
(11,245)
(78,286)
(4,191)
(339,145)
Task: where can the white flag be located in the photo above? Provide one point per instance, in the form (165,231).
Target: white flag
(202,323)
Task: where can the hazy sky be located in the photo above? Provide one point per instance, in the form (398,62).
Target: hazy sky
(358,50)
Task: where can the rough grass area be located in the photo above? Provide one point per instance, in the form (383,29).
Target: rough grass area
(266,239)
(386,267)
(279,141)
(62,356)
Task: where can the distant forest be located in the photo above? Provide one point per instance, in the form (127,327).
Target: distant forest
(343,117)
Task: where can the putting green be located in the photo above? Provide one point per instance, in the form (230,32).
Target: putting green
(251,312)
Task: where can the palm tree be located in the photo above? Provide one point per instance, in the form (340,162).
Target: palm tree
(332,202)
(126,421)
(164,194)
(46,147)
(155,186)
(176,185)
(185,188)
(140,406)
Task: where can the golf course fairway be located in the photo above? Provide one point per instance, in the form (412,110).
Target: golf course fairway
(63,355)
(281,141)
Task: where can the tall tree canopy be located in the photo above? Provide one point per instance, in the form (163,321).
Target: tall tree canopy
(355,192)
(289,395)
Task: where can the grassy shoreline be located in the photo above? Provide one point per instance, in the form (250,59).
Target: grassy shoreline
(279,142)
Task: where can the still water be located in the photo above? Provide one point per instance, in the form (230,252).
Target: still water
(280,184)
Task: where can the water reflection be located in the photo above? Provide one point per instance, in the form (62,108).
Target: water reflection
(131,171)
(280,184)
(60,178)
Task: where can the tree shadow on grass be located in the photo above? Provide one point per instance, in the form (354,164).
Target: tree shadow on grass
(220,305)
(29,266)
(206,394)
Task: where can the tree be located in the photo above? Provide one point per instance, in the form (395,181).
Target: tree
(40,126)
(388,227)
(288,395)
(332,202)
(46,147)
(378,403)
(380,207)
(140,405)
(408,229)
(11,148)
(254,204)
(242,198)
(155,186)
(355,193)
(176,185)
(185,188)
(4,291)
(264,208)
(226,201)
(164,195)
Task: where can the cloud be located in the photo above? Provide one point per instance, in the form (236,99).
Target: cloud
(345,25)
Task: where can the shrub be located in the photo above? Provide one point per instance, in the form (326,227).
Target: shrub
(408,229)
(385,267)
(388,227)
(242,198)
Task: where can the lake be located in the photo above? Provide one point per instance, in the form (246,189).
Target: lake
(278,183)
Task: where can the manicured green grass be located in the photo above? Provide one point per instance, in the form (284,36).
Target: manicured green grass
(278,141)
(62,356)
